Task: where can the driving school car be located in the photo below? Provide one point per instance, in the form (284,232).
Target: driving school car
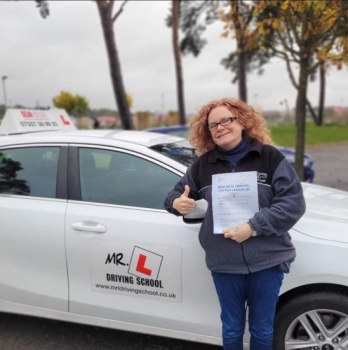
(289,154)
(84,238)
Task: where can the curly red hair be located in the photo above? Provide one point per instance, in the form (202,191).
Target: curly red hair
(252,121)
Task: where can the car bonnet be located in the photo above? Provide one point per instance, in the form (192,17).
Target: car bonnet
(326,214)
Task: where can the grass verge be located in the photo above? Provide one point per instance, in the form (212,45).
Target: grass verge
(285,135)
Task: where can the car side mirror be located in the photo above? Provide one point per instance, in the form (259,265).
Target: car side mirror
(198,213)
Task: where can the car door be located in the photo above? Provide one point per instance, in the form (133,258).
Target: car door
(128,259)
(33,200)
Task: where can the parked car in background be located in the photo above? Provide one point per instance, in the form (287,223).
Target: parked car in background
(184,130)
(84,238)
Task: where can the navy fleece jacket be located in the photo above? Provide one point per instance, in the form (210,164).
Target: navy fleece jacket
(281,205)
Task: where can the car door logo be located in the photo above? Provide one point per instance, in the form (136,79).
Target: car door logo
(145,263)
(141,265)
(148,271)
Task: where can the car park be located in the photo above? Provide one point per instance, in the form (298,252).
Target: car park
(84,238)
(289,153)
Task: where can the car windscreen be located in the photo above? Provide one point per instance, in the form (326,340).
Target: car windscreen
(180,151)
(180,133)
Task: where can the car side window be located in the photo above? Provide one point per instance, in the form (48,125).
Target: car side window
(30,171)
(119,178)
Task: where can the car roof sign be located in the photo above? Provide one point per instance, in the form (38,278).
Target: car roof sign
(18,121)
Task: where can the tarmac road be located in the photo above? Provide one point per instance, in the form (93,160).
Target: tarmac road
(331,165)
(29,333)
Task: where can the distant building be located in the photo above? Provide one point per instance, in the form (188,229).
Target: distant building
(109,122)
(337,112)
(83,122)
(333,114)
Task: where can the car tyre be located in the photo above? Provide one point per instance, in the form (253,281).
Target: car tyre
(318,319)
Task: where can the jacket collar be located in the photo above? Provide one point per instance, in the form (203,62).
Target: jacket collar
(215,154)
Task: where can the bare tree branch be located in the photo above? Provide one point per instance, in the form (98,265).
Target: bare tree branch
(250,17)
(119,11)
(293,51)
(293,81)
(286,46)
(314,66)
(311,111)
(288,66)
(293,27)
(326,34)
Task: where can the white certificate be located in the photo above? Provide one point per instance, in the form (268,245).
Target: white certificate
(235,199)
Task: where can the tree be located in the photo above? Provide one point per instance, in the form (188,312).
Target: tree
(105,8)
(239,18)
(322,82)
(8,177)
(43,7)
(129,98)
(177,57)
(248,56)
(253,61)
(73,104)
(309,34)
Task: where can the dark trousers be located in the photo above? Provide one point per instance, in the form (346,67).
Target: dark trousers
(258,290)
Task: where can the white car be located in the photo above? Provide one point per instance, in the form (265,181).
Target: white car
(84,238)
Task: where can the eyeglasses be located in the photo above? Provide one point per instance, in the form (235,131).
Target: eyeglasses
(223,122)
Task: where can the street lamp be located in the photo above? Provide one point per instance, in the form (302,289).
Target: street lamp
(287,116)
(4,77)
(162,102)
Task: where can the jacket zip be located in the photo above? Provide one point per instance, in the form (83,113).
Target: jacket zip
(241,244)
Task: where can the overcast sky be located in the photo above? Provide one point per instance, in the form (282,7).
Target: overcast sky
(66,51)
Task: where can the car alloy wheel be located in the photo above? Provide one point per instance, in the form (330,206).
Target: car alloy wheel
(318,329)
(314,321)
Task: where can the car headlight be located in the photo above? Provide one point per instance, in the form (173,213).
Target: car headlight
(306,162)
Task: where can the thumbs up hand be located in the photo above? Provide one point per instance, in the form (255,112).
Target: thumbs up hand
(184,205)
(187,191)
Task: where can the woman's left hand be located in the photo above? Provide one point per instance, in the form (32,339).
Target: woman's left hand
(238,233)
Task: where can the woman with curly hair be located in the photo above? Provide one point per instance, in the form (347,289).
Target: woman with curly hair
(247,261)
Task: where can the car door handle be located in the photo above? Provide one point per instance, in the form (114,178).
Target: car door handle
(89,226)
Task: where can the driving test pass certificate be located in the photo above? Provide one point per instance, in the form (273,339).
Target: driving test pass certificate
(235,199)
